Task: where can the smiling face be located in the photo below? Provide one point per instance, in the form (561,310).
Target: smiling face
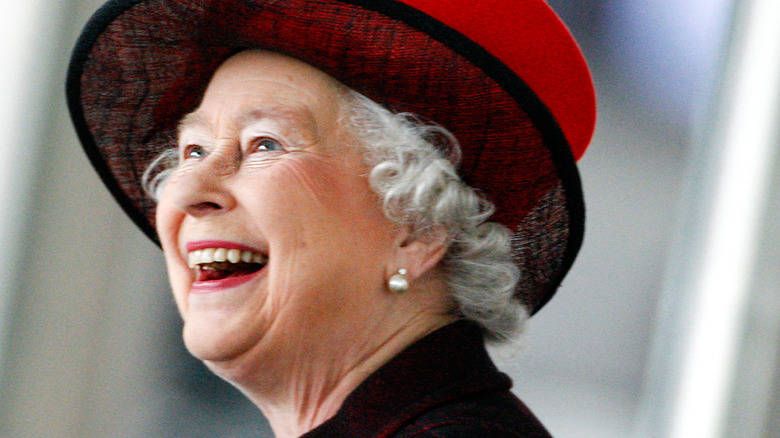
(273,238)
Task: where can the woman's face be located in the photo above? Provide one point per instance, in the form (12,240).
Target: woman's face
(268,180)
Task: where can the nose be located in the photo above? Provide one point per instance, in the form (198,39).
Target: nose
(202,188)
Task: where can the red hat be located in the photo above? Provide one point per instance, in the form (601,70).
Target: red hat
(504,76)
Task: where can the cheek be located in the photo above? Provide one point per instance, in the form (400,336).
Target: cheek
(324,195)
(165,220)
(166,215)
(341,233)
(306,176)
(168,222)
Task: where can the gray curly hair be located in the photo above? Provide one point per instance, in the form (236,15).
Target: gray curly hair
(413,170)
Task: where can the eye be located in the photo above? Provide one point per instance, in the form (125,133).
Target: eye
(265,144)
(194,151)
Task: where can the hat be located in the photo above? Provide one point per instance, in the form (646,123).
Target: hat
(504,76)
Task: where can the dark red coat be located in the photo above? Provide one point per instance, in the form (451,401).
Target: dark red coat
(445,385)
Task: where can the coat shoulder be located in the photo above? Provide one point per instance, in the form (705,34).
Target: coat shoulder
(496,414)
(459,430)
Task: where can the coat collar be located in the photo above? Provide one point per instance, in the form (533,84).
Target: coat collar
(445,365)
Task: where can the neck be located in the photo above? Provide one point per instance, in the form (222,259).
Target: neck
(309,386)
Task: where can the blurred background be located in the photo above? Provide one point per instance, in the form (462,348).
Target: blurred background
(668,326)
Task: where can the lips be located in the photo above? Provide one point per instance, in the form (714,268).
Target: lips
(219,265)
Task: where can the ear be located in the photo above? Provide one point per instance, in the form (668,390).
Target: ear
(418,255)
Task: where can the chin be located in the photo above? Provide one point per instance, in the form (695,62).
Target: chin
(210,342)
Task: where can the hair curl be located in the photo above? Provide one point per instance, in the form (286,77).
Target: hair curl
(413,170)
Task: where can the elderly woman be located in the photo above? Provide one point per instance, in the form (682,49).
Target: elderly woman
(326,254)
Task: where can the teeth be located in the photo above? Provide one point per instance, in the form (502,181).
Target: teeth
(211,255)
(194,258)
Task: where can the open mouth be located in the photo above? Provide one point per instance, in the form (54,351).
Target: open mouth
(212,264)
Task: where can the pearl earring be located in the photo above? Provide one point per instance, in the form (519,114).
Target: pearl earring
(398,282)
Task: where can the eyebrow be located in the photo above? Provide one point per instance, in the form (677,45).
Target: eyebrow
(193,119)
(300,119)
